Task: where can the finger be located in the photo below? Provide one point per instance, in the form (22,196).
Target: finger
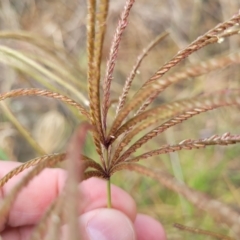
(99,224)
(20,233)
(95,196)
(34,199)
(104,224)
(148,228)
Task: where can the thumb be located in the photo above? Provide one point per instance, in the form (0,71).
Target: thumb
(107,224)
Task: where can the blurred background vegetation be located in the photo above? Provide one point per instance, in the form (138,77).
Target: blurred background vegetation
(214,170)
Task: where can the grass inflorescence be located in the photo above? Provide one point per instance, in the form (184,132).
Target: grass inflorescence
(121,138)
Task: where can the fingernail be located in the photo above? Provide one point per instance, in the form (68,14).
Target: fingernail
(109,224)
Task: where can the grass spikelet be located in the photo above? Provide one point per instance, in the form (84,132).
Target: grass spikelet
(45,93)
(190,144)
(153,133)
(133,72)
(191,72)
(151,86)
(113,57)
(164,111)
(209,37)
(100,33)
(93,73)
(31,163)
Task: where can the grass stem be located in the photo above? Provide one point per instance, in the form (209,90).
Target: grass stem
(109,200)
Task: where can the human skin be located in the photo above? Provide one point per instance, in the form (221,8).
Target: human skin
(96,221)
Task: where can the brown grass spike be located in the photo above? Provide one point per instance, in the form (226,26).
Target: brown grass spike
(190,144)
(153,133)
(94,47)
(132,74)
(28,164)
(194,46)
(191,72)
(113,57)
(213,100)
(151,86)
(42,92)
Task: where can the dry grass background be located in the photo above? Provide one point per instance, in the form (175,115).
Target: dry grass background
(214,170)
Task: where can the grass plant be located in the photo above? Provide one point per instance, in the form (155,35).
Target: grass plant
(123,138)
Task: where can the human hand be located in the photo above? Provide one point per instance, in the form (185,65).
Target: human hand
(97,221)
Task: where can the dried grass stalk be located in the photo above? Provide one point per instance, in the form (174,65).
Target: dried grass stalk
(45,93)
(152,86)
(202,232)
(211,101)
(211,36)
(75,175)
(191,72)
(153,133)
(93,78)
(30,163)
(190,144)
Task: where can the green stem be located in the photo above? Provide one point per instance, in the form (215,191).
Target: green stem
(109,201)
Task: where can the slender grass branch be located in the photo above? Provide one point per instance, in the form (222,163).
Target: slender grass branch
(109,200)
